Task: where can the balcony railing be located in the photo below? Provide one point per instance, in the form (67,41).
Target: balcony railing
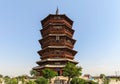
(57,43)
(46,33)
(57,21)
(57,56)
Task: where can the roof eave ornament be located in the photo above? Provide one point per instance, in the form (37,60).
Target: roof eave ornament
(57,11)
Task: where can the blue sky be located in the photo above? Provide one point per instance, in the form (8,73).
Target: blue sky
(96,25)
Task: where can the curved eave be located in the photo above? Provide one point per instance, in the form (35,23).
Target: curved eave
(56,60)
(56,47)
(71,22)
(46,27)
(42,21)
(53,35)
(49,66)
(62,15)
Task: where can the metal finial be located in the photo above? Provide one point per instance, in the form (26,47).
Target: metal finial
(57,11)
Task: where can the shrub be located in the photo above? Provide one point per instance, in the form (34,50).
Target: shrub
(91,82)
(13,81)
(41,80)
(81,81)
(77,81)
(30,82)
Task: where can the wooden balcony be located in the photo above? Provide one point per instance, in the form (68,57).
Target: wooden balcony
(57,21)
(57,43)
(57,56)
(46,33)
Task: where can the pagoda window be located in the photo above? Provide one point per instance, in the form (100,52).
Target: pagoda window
(57,37)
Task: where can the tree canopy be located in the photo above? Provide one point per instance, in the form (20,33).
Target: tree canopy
(49,73)
(1,75)
(41,80)
(81,81)
(71,70)
(33,73)
(102,75)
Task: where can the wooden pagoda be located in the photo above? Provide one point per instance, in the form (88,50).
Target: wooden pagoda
(56,43)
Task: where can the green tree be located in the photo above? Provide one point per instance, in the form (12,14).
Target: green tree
(71,70)
(91,82)
(41,80)
(102,76)
(77,81)
(6,79)
(104,79)
(33,73)
(22,78)
(19,78)
(31,82)
(49,74)
(13,81)
(1,75)
(81,81)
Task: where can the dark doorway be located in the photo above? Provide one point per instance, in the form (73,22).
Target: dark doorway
(58,73)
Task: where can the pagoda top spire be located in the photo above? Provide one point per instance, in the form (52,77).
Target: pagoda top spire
(57,11)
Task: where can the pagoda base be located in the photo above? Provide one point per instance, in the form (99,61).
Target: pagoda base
(58,69)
